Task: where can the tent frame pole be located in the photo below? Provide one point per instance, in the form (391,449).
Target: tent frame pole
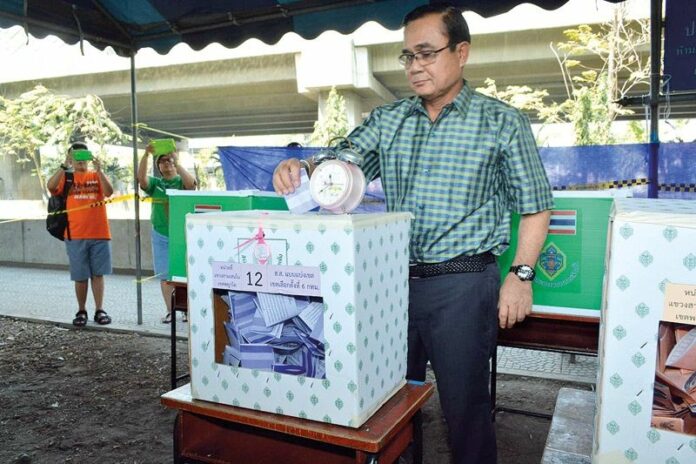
(136,189)
(655,57)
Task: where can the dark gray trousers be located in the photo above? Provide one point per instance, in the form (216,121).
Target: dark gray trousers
(453,323)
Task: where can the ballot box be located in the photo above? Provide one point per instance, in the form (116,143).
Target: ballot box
(183,202)
(646,401)
(302,315)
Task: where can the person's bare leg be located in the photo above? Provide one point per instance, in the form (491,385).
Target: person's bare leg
(98,291)
(167,291)
(167,294)
(81,293)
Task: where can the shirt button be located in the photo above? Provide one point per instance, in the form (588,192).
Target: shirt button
(426,171)
(421,206)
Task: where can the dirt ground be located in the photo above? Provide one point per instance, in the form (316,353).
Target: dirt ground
(84,396)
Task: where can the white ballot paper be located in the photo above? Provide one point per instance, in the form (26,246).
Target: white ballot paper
(300,201)
(277,308)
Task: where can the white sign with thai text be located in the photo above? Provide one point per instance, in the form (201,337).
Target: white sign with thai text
(289,280)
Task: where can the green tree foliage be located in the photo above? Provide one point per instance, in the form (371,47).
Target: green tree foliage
(208,170)
(593,90)
(524,98)
(334,123)
(598,67)
(39,118)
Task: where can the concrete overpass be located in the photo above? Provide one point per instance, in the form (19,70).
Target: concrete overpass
(259,89)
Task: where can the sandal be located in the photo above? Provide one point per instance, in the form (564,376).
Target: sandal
(101,318)
(167,319)
(80,319)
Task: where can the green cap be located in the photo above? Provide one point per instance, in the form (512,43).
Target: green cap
(163,146)
(82,155)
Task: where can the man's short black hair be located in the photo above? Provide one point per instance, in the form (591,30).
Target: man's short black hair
(78,146)
(455,25)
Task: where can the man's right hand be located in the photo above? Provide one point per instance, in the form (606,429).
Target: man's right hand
(286,177)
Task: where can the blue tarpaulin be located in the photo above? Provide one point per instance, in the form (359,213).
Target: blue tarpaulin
(600,167)
(251,168)
(596,167)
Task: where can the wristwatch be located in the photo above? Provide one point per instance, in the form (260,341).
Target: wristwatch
(63,167)
(524,272)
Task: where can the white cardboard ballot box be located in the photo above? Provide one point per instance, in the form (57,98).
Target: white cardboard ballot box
(356,265)
(652,248)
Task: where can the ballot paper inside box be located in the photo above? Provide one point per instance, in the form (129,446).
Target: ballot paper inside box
(646,402)
(303,315)
(674,395)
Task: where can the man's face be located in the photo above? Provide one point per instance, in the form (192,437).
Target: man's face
(442,77)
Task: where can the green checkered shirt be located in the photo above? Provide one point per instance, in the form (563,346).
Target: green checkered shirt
(460,176)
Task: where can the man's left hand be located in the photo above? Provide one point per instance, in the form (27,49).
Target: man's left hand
(515,301)
(97,164)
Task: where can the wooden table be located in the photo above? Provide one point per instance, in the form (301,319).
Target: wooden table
(207,432)
(554,332)
(546,332)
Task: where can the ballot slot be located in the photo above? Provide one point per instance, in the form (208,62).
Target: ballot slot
(270,332)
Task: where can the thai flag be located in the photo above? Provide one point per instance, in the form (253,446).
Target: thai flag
(563,222)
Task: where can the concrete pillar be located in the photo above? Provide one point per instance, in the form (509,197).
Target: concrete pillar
(335,61)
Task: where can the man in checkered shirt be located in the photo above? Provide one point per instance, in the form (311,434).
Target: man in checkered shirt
(460,162)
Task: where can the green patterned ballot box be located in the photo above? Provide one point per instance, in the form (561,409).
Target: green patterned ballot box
(183,202)
(570,269)
(646,389)
(302,315)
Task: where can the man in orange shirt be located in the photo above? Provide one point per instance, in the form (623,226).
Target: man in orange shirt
(87,237)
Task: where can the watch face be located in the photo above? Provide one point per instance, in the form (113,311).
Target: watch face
(525,272)
(330,183)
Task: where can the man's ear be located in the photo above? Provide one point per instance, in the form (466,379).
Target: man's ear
(463,53)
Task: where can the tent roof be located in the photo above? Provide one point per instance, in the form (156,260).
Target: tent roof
(128,25)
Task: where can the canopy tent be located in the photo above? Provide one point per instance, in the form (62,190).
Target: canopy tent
(134,24)
(129,25)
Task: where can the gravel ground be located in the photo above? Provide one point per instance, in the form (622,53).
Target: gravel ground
(91,396)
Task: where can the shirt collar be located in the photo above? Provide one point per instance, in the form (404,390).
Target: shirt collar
(463,98)
(460,102)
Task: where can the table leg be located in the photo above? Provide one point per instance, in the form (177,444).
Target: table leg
(175,440)
(417,444)
(172,337)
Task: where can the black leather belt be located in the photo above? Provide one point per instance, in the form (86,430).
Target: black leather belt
(474,263)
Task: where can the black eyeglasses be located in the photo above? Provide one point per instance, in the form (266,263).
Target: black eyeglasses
(424,57)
